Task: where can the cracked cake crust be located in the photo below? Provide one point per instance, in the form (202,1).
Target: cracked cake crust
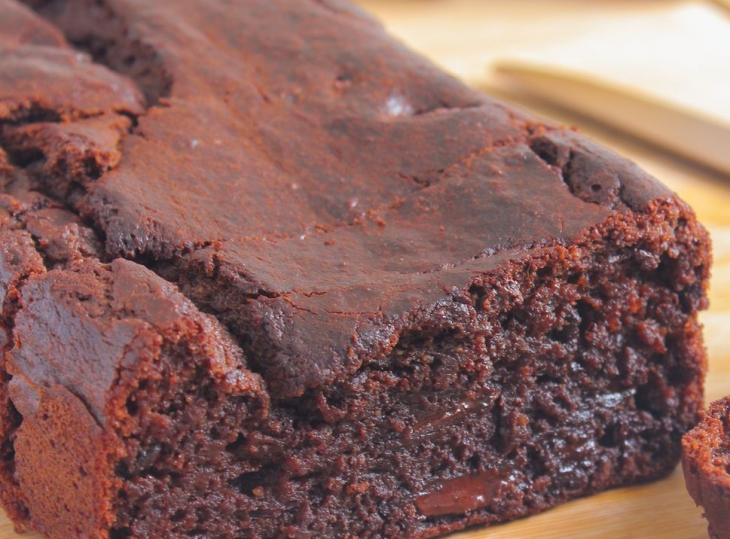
(291,279)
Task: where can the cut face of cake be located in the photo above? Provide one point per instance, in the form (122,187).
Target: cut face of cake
(706,463)
(266,273)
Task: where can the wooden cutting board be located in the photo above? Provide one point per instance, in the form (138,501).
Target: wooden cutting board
(465,36)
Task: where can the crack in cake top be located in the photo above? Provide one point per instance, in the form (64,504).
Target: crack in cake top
(322,183)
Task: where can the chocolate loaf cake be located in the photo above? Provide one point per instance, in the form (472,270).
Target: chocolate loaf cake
(265,273)
(706,461)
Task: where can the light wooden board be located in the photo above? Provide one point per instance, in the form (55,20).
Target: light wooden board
(465,36)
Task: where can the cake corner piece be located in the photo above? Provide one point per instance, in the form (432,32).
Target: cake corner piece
(706,460)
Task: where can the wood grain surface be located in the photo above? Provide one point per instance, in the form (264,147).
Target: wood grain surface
(466,36)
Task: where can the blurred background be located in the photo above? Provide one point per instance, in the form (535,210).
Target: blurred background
(648,78)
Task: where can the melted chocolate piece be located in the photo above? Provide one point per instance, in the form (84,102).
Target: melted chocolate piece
(461,495)
(453,414)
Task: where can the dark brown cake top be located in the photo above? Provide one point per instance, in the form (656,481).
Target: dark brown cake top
(311,181)
(19,25)
(125,315)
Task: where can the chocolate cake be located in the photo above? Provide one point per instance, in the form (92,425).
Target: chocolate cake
(266,273)
(706,461)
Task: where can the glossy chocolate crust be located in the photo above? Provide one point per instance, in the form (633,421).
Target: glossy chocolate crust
(706,461)
(266,273)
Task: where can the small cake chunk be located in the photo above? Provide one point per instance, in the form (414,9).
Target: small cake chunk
(706,463)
